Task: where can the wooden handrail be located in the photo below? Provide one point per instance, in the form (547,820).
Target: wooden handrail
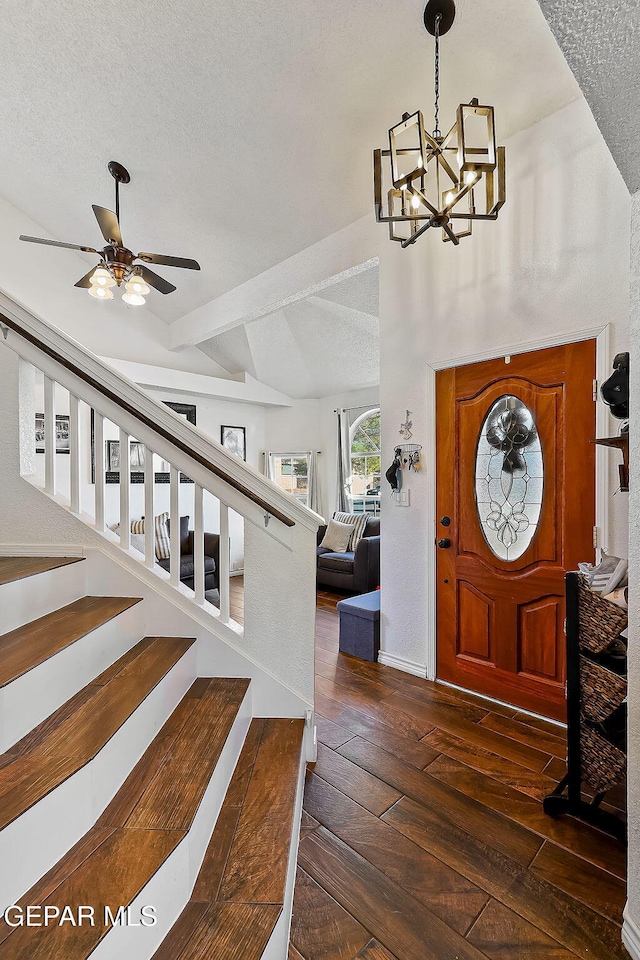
(147,421)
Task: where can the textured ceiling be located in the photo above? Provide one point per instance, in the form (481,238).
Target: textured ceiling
(247,127)
(316,347)
(601,42)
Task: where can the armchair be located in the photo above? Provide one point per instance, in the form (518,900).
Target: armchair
(353,572)
(187,564)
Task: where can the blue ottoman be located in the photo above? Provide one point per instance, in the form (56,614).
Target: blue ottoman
(360,626)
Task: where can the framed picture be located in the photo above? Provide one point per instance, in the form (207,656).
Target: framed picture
(235,440)
(186,410)
(136,456)
(62,433)
(136,452)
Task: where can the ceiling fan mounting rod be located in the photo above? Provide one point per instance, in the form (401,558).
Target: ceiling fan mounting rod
(121,175)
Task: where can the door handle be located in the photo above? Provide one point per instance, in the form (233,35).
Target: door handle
(444,544)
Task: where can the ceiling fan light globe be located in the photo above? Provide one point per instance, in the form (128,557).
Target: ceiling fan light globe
(133,299)
(137,286)
(102,278)
(100,293)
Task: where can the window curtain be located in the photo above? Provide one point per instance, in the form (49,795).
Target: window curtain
(315,493)
(343,492)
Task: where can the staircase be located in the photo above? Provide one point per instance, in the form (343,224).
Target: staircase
(144,811)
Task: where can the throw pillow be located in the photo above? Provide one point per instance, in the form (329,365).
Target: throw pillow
(163,547)
(137,526)
(337,537)
(358,521)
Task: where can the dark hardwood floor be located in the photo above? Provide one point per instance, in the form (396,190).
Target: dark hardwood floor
(423,836)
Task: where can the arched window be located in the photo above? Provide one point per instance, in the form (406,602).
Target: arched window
(365,463)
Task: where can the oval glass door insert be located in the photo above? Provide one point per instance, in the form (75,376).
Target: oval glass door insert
(509,478)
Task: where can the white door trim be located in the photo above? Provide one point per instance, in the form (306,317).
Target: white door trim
(602,336)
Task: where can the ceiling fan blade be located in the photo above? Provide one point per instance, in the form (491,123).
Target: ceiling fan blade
(86,280)
(154,280)
(58,243)
(108,223)
(169,261)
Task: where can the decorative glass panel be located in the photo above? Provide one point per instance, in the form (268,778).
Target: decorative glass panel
(509,478)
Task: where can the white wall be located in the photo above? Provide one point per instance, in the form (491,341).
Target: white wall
(633,775)
(311,425)
(556,261)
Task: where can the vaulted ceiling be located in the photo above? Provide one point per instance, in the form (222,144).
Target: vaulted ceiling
(318,346)
(247,127)
(600,40)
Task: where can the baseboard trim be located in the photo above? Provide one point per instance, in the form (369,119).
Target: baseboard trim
(631,934)
(41,550)
(400,663)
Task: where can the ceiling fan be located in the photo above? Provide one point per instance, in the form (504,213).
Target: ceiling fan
(117,263)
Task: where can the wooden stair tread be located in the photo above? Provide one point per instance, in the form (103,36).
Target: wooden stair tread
(239,893)
(113,875)
(220,931)
(114,860)
(17,568)
(171,797)
(30,645)
(256,868)
(70,738)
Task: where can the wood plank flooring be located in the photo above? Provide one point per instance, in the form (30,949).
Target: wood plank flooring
(423,834)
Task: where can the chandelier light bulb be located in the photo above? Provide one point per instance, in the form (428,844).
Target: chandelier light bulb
(470,176)
(137,285)
(133,299)
(415,202)
(102,278)
(100,293)
(448,198)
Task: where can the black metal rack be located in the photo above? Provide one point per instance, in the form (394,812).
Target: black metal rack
(596,726)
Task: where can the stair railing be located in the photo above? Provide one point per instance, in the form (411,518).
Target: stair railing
(286,539)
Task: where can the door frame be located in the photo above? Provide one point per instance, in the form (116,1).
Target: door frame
(602,335)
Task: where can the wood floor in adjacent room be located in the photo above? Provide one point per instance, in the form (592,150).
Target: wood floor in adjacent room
(423,834)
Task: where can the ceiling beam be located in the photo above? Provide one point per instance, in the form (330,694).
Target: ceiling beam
(347,252)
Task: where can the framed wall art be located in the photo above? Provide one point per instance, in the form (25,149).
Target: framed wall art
(234,439)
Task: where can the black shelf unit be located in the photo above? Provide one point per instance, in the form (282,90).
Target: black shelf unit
(596,721)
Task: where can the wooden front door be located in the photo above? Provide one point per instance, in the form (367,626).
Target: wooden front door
(515,510)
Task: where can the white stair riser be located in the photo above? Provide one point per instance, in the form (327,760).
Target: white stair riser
(24,600)
(31,698)
(170,888)
(34,842)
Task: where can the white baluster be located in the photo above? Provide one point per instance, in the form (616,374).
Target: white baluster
(149,518)
(98,435)
(174,524)
(125,479)
(49,435)
(223,573)
(198,543)
(74,451)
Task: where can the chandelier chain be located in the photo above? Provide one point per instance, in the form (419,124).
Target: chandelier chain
(436,131)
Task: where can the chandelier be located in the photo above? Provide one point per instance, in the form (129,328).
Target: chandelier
(438,180)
